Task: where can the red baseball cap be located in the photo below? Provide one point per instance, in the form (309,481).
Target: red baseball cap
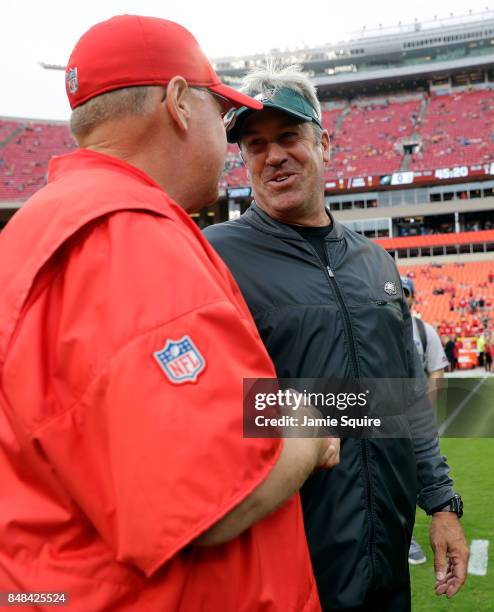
(131,50)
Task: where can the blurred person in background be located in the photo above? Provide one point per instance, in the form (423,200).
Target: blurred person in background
(481,349)
(434,362)
(449,350)
(489,353)
(427,341)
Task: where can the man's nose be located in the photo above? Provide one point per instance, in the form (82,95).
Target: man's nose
(276,154)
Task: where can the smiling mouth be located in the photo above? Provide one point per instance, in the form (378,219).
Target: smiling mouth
(281,179)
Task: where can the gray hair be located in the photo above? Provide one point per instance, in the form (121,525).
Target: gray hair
(117,103)
(274,76)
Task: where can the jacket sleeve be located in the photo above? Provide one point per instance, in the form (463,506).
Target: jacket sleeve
(152,461)
(435,487)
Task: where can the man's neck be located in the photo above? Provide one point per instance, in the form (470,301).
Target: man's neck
(318,218)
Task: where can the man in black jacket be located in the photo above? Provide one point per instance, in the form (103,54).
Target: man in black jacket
(328,303)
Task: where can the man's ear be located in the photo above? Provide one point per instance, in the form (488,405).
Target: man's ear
(326,146)
(177,102)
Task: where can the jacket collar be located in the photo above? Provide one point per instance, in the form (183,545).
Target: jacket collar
(87,159)
(256,217)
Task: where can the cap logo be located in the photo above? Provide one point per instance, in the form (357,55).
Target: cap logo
(72,80)
(265,97)
(390,288)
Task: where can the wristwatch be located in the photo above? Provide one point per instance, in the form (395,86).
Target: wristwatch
(455,505)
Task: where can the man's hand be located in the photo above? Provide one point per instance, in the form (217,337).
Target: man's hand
(450,553)
(299,457)
(330,453)
(328,447)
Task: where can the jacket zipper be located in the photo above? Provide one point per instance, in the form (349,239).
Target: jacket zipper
(364,449)
(363,443)
(346,316)
(332,282)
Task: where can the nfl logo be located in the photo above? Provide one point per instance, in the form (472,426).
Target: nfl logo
(72,81)
(180,360)
(390,288)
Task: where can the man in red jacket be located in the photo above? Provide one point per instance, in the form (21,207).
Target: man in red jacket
(124,341)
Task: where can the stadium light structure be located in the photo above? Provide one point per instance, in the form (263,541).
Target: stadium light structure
(47,66)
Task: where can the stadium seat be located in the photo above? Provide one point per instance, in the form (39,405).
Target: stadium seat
(440,286)
(457,129)
(27,148)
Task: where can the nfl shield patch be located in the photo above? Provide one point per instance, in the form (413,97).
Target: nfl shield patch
(180,360)
(72,80)
(390,288)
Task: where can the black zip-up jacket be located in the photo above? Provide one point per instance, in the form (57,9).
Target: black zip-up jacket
(338,321)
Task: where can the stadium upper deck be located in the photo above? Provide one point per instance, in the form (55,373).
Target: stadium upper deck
(406,52)
(370,137)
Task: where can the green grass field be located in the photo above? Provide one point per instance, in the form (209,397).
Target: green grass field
(475,397)
(472,467)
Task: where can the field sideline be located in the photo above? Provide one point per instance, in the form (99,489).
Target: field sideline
(472,467)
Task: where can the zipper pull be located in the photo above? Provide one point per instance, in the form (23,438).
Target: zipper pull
(330,272)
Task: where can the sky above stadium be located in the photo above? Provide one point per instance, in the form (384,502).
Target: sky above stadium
(33,31)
